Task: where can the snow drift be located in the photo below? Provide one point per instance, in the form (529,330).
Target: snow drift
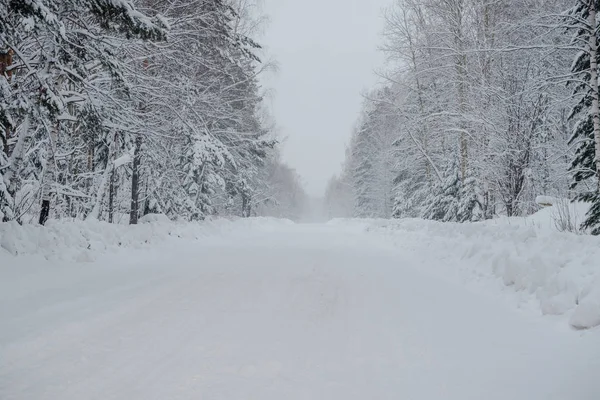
(560,271)
(83,241)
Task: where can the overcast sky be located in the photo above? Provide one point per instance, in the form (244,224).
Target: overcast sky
(327,52)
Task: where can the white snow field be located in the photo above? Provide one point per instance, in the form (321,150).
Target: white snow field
(270,310)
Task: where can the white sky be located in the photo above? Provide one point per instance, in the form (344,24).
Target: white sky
(327,54)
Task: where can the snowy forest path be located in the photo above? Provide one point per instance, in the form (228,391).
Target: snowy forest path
(296,312)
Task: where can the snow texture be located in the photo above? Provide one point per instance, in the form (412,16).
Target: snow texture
(556,271)
(124,159)
(86,240)
(270,310)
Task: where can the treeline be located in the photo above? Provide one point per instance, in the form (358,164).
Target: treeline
(486,105)
(115,109)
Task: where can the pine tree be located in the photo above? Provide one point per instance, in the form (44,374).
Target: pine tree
(586,164)
(73,39)
(208,75)
(363,172)
(410,195)
(100,118)
(470,208)
(500,116)
(443,204)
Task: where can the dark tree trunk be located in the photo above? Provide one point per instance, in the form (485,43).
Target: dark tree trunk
(246,206)
(135,182)
(5,72)
(509,208)
(146,200)
(49,179)
(5,138)
(45,212)
(111,196)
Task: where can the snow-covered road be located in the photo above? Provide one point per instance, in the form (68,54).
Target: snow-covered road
(294,312)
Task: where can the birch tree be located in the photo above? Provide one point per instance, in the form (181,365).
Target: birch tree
(583,20)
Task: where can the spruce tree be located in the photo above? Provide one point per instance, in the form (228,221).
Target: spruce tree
(586,164)
(443,203)
(73,39)
(470,208)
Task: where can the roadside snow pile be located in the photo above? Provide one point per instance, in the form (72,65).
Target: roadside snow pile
(559,271)
(562,215)
(82,241)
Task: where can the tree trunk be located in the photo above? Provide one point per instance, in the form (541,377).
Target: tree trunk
(45,212)
(244,206)
(461,70)
(49,178)
(146,198)
(111,196)
(594,83)
(464,144)
(135,181)
(5,62)
(112,188)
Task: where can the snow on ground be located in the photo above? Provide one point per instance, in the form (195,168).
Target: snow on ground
(85,240)
(270,310)
(556,272)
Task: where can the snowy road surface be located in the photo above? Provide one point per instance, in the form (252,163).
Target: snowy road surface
(295,312)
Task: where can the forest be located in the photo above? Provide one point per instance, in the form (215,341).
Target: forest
(484,106)
(114,109)
(158,239)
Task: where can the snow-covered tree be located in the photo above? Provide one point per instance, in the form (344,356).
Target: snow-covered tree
(338,199)
(281,193)
(57,52)
(479,86)
(371,163)
(102,118)
(583,20)
(443,204)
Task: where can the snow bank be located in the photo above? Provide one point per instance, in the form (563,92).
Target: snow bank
(559,271)
(83,241)
(563,215)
